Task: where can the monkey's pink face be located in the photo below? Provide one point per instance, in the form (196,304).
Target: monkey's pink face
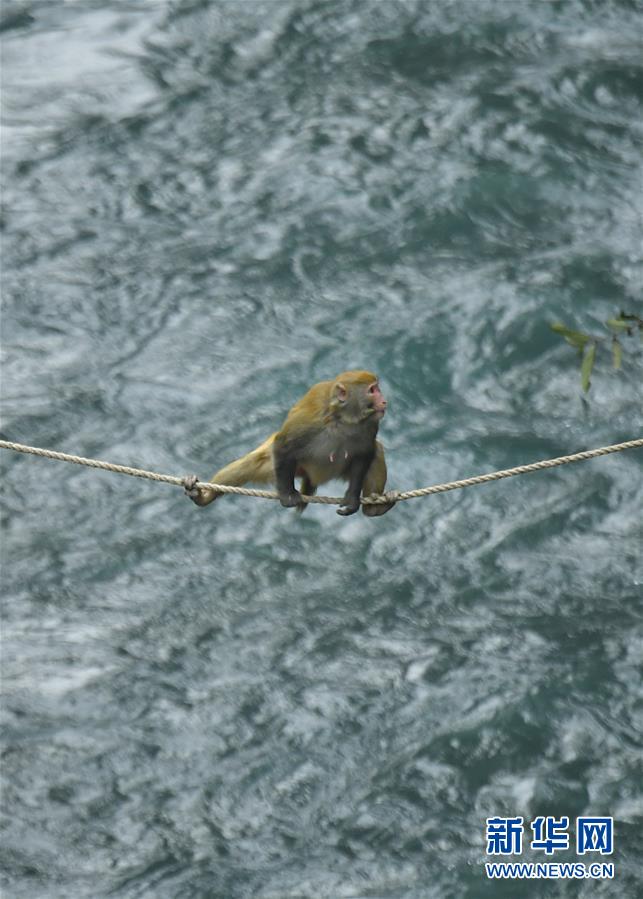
(376,400)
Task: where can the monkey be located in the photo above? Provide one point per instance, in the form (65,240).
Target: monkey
(329,433)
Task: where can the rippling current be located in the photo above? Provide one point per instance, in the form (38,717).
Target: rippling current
(209,206)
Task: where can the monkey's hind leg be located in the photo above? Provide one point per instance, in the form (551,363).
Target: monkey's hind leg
(308,489)
(375,482)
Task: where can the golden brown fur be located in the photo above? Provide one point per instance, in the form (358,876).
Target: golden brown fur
(329,433)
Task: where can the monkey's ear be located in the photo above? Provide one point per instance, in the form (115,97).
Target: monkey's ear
(340,393)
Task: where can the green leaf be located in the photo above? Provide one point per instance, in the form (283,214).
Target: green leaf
(587,366)
(617,324)
(575,338)
(617,353)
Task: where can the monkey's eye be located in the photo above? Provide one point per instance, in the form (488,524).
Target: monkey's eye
(372,388)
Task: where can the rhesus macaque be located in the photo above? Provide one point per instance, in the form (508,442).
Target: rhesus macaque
(330,433)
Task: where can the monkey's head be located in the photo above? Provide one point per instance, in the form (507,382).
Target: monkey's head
(357,396)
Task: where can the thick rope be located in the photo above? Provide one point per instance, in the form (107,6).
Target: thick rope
(329,500)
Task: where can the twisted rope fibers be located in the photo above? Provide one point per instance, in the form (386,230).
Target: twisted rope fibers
(327,500)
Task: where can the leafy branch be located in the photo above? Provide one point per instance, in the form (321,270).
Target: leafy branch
(625,325)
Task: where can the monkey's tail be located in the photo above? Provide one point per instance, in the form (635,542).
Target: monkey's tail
(256,467)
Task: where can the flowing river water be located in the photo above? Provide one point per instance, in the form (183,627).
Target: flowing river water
(209,206)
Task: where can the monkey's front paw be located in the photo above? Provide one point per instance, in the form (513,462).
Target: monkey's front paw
(348,507)
(288,500)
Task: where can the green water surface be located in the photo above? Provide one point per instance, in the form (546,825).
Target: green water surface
(209,206)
